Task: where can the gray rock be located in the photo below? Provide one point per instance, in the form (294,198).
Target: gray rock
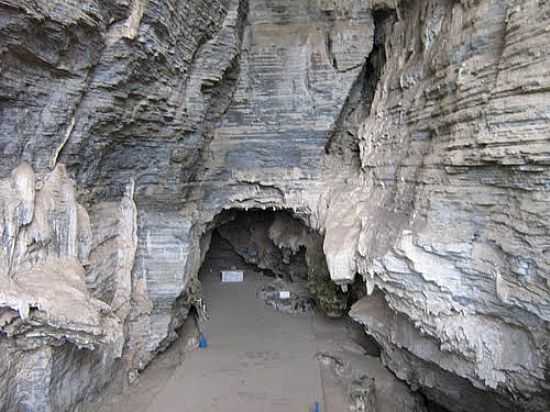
(410,138)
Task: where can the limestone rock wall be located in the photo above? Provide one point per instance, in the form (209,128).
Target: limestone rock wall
(299,61)
(456,151)
(117,85)
(52,330)
(412,135)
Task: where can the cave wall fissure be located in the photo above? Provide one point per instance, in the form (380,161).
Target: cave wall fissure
(343,140)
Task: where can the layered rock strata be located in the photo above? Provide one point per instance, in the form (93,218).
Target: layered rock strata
(411,135)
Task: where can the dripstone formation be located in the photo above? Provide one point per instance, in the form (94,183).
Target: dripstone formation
(410,138)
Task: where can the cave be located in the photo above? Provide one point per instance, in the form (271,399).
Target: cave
(261,351)
(283,247)
(377,169)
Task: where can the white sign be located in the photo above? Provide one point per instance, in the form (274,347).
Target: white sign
(284,294)
(232,276)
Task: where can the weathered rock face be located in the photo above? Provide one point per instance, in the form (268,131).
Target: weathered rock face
(411,135)
(456,147)
(53,331)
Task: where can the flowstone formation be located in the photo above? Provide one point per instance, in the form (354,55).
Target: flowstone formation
(53,329)
(411,137)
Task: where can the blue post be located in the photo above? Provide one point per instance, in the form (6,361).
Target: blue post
(203,343)
(317,407)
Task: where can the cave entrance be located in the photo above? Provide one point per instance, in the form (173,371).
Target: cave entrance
(261,353)
(278,248)
(266,353)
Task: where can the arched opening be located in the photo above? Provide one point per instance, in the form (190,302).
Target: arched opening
(279,340)
(270,334)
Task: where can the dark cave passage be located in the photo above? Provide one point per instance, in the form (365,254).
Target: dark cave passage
(283,247)
(258,357)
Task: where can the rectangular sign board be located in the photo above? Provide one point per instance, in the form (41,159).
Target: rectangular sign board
(232,276)
(284,294)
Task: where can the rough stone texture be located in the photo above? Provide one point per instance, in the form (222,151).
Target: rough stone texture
(249,235)
(118,91)
(277,242)
(52,330)
(456,149)
(298,300)
(413,138)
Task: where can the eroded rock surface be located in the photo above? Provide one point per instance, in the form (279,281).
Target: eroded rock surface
(56,338)
(457,153)
(411,137)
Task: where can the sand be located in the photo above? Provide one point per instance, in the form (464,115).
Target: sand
(257,359)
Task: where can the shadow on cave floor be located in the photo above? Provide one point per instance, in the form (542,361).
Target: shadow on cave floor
(258,358)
